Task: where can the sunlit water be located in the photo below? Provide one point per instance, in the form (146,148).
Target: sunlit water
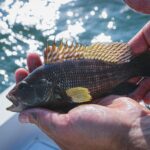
(26,26)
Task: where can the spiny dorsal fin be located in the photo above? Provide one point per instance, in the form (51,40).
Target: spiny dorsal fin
(63,52)
(107,52)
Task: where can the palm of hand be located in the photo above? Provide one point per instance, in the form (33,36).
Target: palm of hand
(106,124)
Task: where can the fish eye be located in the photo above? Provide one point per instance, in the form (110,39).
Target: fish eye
(43,82)
(23,85)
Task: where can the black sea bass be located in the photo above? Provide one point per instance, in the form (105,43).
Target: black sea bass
(73,75)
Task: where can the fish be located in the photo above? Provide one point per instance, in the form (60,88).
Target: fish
(77,74)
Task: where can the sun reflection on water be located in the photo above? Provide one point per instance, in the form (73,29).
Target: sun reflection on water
(103,14)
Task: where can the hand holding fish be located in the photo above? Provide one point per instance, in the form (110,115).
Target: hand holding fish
(91,123)
(108,122)
(139,44)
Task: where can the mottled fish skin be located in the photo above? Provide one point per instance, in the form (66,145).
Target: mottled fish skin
(97,76)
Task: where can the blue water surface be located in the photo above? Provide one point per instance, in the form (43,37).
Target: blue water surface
(27,25)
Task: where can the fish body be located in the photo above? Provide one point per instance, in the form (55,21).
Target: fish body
(75,75)
(94,75)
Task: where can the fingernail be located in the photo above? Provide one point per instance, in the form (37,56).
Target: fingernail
(20,74)
(23,118)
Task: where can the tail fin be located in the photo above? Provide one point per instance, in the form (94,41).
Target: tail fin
(142,64)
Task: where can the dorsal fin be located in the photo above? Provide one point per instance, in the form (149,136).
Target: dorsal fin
(107,52)
(63,52)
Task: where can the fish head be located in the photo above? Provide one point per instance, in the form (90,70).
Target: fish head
(35,90)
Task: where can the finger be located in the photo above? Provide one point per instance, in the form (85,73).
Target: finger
(134,80)
(20,74)
(48,121)
(119,102)
(33,61)
(139,5)
(147,98)
(142,90)
(141,41)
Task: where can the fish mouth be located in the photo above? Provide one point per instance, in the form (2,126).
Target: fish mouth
(13,99)
(15,103)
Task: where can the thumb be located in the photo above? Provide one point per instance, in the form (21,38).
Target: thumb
(139,5)
(47,120)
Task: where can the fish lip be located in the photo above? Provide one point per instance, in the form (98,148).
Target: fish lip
(12,99)
(9,97)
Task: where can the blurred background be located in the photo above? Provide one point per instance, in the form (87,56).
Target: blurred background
(26,25)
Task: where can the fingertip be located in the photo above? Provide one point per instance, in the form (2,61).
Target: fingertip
(140,42)
(33,115)
(33,61)
(29,116)
(20,74)
(23,118)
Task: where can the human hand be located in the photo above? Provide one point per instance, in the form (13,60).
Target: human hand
(116,123)
(139,5)
(139,44)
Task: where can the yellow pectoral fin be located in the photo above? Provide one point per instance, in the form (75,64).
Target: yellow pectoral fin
(79,94)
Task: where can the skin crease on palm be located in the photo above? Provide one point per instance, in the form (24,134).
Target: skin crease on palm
(115,122)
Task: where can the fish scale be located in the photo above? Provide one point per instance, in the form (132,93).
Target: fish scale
(81,74)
